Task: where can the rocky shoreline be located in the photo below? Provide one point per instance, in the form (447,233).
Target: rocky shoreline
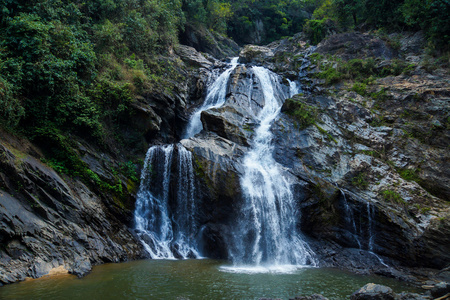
(370,291)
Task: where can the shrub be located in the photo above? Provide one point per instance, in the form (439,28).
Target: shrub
(315,30)
(304,114)
(360,88)
(11,110)
(409,174)
(392,196)
(360,180)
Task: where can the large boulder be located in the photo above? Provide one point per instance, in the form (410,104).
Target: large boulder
(217,167)
(192,57)
(373,291)
(312,297)
(253,53)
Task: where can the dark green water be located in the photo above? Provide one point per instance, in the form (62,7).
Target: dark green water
(191,279)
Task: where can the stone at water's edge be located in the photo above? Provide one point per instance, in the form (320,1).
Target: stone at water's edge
(373,291)
(441,289)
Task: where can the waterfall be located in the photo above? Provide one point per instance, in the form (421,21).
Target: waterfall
(350,218)
(165,214)
(370,234)
(184,217)
(215,98)
(266,233)
(167,233)
(151,217)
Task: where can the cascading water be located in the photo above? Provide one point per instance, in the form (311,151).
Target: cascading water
(184,218)
(370,234)
(215,98)
(167,233)
(266,233)
(153,224)
(166,220)
(350,218)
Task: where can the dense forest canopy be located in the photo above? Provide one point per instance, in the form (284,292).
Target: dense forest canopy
(240,18)
(72,66)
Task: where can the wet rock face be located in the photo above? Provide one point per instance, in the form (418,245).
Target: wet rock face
(217,168)
(345,159)
(348,169)
(48,222)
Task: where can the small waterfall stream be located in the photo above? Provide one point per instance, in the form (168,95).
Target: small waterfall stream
(370,240)
(215,98)
(349,217)
(294,88)
(266,232)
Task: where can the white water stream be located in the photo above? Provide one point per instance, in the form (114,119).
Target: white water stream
(215,98)
(266,238)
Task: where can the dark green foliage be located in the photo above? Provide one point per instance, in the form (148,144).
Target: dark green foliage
(364,71)
(315,30)
(59,150)
(304,114)
(11,110)
(129,170)
(49,68)
(383,13)
(360,180)
(214,14)
(380,95)
(360,88)
(71,70)
(278,18)
(409,174)
(392,197)
(431,16)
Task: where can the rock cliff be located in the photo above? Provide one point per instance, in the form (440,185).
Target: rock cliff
(366,154)
(369,167)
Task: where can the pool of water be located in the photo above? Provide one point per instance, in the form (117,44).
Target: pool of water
(194,279)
